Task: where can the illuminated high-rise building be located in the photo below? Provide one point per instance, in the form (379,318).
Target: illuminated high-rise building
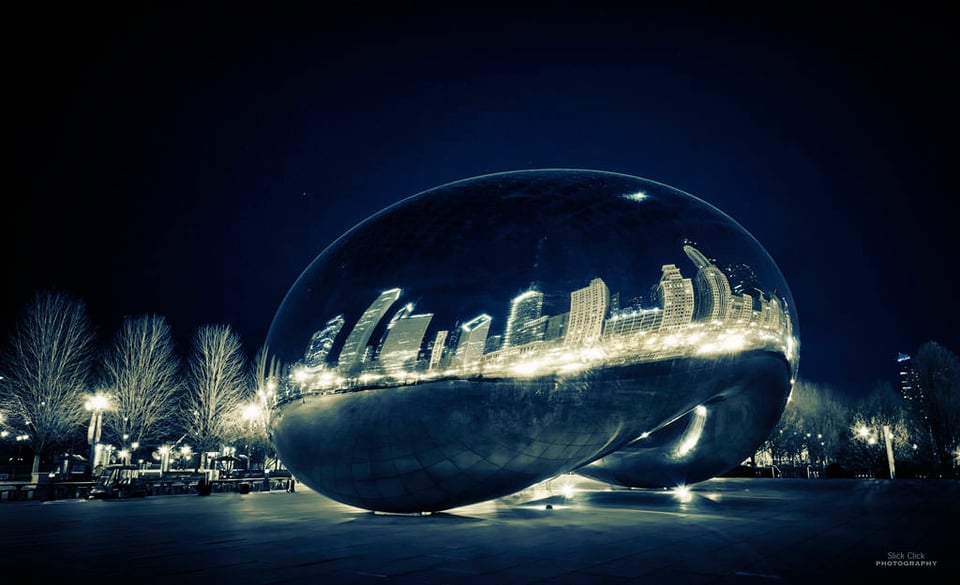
(398,315)
(524,308)
(355,347)
(631,321)
(556,327)
(771,315)
(533,330)
(741,309)
(473,339)
(676,297)
(322,341)
(401,348)
(713,293)
(588,309)
(911,390)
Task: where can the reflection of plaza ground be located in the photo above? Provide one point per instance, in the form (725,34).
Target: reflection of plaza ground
(725,531)
(437,445)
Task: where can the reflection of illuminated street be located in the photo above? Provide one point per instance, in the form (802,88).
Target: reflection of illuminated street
(557,359)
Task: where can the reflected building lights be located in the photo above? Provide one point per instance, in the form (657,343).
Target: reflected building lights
(354,349)
(702,316)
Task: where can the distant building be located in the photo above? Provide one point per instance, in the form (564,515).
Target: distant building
(588,309)
(741,310)
(401,348)
(772,315)
(676,298)
(355,348)
(322,341)
(437,351)
(525,309)
(634,320)
(911,390)
(713,293)
(473,339)
(556,327)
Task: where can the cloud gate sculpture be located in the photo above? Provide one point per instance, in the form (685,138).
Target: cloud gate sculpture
(491,333)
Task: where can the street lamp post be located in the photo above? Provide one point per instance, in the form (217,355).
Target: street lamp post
(185,453)
(252,414)
(888,441)
(868,435)
(164,458)
(96,404)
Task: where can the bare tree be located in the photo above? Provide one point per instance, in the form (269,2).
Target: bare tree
(938,371)
(877,416)
(215,387)
(47,367)
(812,426)
(142,374)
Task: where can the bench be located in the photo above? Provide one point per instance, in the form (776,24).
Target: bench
(15,491)
(8,491)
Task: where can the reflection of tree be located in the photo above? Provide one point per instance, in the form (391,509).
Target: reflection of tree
(46,369)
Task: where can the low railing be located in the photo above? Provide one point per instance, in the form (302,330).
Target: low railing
(165,485)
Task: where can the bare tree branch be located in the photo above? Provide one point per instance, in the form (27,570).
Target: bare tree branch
(216,387)
(141,373)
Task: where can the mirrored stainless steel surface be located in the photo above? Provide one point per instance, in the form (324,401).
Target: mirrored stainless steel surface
(491,333)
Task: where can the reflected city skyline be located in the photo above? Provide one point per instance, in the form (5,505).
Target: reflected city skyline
(703,315)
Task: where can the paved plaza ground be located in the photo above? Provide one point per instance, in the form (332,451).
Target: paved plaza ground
(724,531)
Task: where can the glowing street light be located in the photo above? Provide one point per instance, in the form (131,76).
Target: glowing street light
(185,452)
(96,404)
(164,458)
(251,412)
(870,435)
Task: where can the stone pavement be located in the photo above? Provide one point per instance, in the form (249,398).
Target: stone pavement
(569,530)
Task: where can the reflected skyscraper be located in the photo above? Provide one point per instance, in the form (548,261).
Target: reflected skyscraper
(322,342)
(401,348)
(676,298)
(355,347)
(438,350)
(713,288)
(473,339)
(556,326)
(633,321)
(588,309)
(524,323)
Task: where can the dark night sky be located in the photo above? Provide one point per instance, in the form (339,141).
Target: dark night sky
(191,162)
